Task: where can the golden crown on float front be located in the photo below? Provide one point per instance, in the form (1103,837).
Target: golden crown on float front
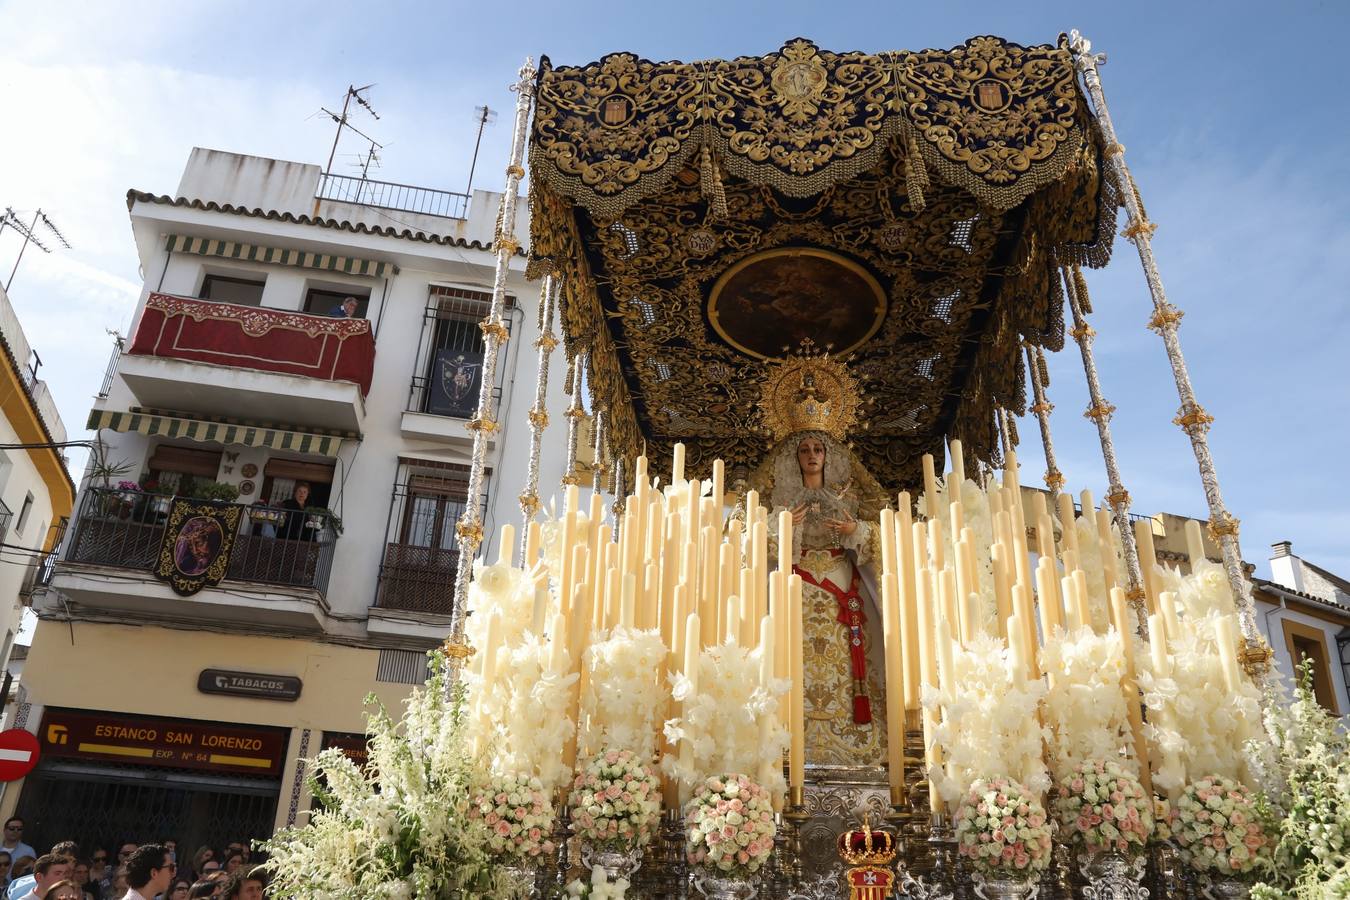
(810,391)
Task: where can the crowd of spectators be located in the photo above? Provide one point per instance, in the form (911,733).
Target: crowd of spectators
(134,871)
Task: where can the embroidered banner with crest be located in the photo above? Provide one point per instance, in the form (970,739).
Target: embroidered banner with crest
(198,539)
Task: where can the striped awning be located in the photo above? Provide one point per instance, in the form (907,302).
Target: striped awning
(206,431)
(350,265)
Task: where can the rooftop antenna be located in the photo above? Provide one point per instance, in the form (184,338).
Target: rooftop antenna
(485,117)
(12,219)
(342,120)
(353,93)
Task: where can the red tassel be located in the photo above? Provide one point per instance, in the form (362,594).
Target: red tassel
(862,709)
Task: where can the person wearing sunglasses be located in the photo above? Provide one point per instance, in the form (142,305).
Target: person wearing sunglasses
(150,871)
(12,841)
(179,889)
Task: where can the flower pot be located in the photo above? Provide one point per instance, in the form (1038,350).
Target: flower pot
(160,503)
(1007,887)
(1113,876)
(723,885)
(1218,887)
(617,863)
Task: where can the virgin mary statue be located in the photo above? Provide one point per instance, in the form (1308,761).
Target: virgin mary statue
(808,404)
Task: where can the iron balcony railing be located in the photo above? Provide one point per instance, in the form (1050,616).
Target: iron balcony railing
(418,579)
(274,546)
(388,195)
(119,344)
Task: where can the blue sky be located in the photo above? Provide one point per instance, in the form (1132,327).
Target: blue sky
(1234,115)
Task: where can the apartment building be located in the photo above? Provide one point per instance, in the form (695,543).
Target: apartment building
(36,493)
(270,535)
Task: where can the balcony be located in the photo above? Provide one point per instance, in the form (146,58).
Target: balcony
(418,579)
(278,568)
(247,362)
(389,195)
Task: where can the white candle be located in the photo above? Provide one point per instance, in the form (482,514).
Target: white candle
(677,465)
(797,767)
(505,545)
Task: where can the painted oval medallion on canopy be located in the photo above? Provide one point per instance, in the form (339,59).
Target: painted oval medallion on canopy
(774,300)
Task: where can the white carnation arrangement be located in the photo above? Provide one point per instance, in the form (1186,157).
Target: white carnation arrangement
(530,723)
(723,718)
(989,721)
(616,801)
(598,888)
(1209,726)
(624,700)
(1084,706)
(729,826)
(518,815)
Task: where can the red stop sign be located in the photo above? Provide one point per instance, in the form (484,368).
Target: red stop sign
(18,754)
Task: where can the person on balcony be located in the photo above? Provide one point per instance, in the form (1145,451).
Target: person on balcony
(345,310)
(295,516)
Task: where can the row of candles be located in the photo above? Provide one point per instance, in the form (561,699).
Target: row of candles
(681,568)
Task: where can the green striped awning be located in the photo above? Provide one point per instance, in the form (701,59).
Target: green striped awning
(350,265)
(205,431)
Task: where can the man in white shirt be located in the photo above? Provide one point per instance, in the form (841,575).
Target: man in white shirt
(150,871)
(12,842)
(47,871)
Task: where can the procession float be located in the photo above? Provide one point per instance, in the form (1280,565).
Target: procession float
(800,630)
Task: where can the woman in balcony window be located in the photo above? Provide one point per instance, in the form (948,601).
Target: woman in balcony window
(295,517)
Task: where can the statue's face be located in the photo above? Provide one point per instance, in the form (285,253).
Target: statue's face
(811,456)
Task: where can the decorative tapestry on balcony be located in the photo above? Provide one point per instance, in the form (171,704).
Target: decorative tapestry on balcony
(198,539)
(251,337)
(281,256)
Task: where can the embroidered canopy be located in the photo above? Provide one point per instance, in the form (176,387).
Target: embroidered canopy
(908,209)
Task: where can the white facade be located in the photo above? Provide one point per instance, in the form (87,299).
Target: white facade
(1305,610)
(265,197)
(35,490)
(238,400)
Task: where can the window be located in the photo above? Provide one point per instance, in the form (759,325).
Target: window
(324,302)
(421,555)
(23,513)
(448,376)
(1308,642)
(280,477)
(177,469)
(226,289)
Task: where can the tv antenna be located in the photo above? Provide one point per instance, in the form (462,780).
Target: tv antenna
(485,117)
(353,93)
(11,219)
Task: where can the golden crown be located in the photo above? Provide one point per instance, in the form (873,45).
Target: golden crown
(867,847)
(809,392)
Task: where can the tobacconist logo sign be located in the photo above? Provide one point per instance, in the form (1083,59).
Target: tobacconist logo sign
(249,684)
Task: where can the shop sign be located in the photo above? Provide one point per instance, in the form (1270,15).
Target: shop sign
(355,747)
(168,743)
(249,684)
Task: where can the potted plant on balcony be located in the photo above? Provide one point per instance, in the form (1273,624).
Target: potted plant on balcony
(214,491)
(122,503)
(161,495)
(316,517)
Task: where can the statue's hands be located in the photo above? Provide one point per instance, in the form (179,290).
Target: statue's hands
(798,514)
(843,527)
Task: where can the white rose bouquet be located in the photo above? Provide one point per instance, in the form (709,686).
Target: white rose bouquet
(1216,828)
(1104,805)
(729,824)
(1002,829)
(519,817)
(615,801)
